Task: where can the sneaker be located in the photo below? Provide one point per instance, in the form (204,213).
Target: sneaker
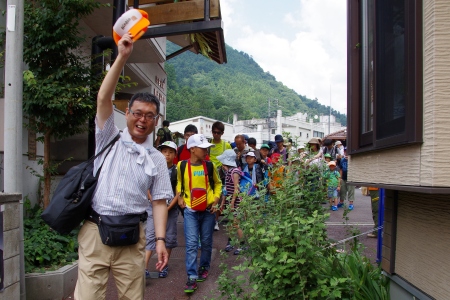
(372,235)
(147,274)
(350,207)
(229,247)
(340,204)
(216,227)
(164,272)
(202,274)
(334,208)
(191,286)
(239,250)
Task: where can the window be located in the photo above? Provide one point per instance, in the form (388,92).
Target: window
(385,73)
(300,134)
(274,131)
(318,134)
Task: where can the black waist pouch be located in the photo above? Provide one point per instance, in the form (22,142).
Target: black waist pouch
(120,230)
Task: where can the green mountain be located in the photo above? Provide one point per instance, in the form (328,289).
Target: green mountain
(199,86)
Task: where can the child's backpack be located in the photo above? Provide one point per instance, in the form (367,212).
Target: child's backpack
(246,184)
(167,136)
(344,164)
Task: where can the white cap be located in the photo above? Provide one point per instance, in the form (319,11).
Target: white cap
(198,140)
(250,154)
(168,144)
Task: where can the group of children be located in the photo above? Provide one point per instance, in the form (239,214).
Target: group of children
(201,193)
(336,178)
(203,189)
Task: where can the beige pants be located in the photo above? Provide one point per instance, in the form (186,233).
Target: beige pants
(96,260)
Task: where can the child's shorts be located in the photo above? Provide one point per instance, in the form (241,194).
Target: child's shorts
(332,192)
(171,230)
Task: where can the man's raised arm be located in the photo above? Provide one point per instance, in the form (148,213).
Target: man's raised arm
(106,92)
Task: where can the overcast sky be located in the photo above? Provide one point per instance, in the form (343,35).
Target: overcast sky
(301,42)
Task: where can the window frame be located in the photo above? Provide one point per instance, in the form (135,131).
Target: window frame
(362,142)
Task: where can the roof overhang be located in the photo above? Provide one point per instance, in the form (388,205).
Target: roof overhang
(177,20)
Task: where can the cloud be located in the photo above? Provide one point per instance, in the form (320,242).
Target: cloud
(305,50)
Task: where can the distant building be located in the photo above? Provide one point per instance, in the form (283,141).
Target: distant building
(300,126)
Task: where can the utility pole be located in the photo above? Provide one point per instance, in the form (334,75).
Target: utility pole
(268,117)
(268,122)
(13,114)
(329,117)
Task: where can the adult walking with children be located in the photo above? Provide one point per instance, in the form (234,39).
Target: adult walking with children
(130,169)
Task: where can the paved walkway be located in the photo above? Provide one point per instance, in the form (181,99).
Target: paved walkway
(171,288)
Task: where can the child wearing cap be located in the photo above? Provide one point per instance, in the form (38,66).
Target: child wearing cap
(169,150)
(199,195)
(266,161)
(231,186)
(333,185)
(253,169)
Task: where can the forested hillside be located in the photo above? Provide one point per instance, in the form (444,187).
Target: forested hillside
(199,86)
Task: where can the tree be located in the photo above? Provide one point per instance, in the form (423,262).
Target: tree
(57,98)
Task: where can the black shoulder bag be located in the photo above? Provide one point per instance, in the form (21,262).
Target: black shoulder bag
(71,201)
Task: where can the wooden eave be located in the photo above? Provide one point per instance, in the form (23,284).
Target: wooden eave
(338,135)
(186,13)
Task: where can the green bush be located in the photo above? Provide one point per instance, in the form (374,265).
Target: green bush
(289,255)
(44,248)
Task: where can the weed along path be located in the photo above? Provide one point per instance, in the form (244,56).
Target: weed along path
(360,219)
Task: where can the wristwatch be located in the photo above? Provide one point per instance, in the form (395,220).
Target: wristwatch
(160,239)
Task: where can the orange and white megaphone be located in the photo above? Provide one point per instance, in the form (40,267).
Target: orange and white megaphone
(134,21)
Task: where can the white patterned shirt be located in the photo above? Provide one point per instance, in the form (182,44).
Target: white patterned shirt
(122,185)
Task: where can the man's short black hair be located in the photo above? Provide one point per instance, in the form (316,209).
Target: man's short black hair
(191,128)
(251,141)
(166,123)
(327,142)
(145,97)
(219,126)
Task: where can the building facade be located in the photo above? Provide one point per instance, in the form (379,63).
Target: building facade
(398,87)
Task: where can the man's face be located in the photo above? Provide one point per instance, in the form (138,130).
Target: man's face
(280,145)
(217,134)
(140,128)
(240,144)
(187,135)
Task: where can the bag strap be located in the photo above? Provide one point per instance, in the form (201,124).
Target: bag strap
(110,144)
(210,173)
(180,149)
(205,170)
(182,169)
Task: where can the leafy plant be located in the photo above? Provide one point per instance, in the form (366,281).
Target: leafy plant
(289,255)
(44,248)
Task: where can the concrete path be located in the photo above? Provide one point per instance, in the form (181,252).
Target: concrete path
(171,288)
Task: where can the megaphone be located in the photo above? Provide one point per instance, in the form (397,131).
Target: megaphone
(133,21)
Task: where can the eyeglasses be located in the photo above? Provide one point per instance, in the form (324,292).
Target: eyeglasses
(138,115)
(217,132)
